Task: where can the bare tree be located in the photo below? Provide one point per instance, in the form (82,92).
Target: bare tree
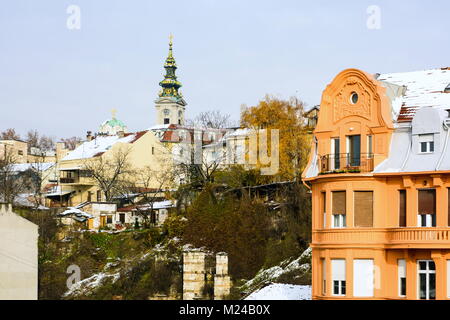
(110,172)
(147,187)
(9,134)
(71,143)
(212,119)
(11,184)
(41,142)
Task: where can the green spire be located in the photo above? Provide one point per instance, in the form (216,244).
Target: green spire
(170,84)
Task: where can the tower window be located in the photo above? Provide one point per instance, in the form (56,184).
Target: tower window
(166,120)
(354,98)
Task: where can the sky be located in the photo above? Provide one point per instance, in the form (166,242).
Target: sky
(63,81)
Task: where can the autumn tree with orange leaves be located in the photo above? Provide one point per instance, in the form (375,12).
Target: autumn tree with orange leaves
(294,140)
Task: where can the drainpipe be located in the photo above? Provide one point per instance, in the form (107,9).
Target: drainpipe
(446,127)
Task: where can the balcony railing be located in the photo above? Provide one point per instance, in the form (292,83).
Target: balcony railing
(387,237)
(346,163)
(67,180)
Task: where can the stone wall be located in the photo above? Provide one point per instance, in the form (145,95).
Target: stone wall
(201,270)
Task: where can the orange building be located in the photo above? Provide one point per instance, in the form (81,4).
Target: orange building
(380,179)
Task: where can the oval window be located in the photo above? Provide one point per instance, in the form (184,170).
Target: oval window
(354,98)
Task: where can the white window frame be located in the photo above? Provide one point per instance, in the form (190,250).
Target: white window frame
(428,140)
(401,263)
(427,272)
(338,273)
(370,146)
(342,221)
(428,220)
(332,152)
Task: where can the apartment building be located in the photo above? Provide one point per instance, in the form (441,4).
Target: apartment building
(380,179)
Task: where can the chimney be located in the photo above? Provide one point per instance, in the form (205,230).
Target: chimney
(89,136)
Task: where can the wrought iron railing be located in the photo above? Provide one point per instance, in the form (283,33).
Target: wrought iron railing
(346,163)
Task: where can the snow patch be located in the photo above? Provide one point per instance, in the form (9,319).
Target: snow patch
(279,291)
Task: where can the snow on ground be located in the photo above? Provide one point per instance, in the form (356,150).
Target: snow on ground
(279,291)
(90,284)
(272,274)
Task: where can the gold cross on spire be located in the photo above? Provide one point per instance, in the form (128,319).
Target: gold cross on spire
(170,39)
(113,112)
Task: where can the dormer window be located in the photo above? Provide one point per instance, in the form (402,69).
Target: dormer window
(426,143)
(447,89)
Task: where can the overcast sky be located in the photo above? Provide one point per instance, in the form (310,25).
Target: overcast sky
(64,82)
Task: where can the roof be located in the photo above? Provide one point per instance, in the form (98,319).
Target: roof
(21,167)
(156,206)
(113,123)
(76,214)
(100,144)
(423,89)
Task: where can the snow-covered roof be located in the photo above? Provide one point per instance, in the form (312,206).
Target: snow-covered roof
(76,214)
(423,89)
(21,167)
(100,145)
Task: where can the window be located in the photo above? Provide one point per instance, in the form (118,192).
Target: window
(448,278)
(323,208)
(402,278)
(153,150)
(335,151)
(109,220)
(338,277)
(370,147)
(339,209)
(363,210)
(448,206)
(426,279)
(354,98)
(363,278)
(324,276)
(99,195)
(427,208)
(166,120)
(426,143)
(354,150)
(402,208)
(20,152)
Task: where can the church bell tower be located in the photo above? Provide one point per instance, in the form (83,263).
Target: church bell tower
(170,105)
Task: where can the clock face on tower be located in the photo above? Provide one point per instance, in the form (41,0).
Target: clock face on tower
(166,112)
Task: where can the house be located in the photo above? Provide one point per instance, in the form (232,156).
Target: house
(157,212)
(380,178)
(92,216)
(15,150)
(76,184)
(18,256)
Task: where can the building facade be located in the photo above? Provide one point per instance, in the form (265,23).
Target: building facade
(18,256)
(380,179)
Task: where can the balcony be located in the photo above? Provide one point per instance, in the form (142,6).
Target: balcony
(388,238)
(67,180)
(346,163)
